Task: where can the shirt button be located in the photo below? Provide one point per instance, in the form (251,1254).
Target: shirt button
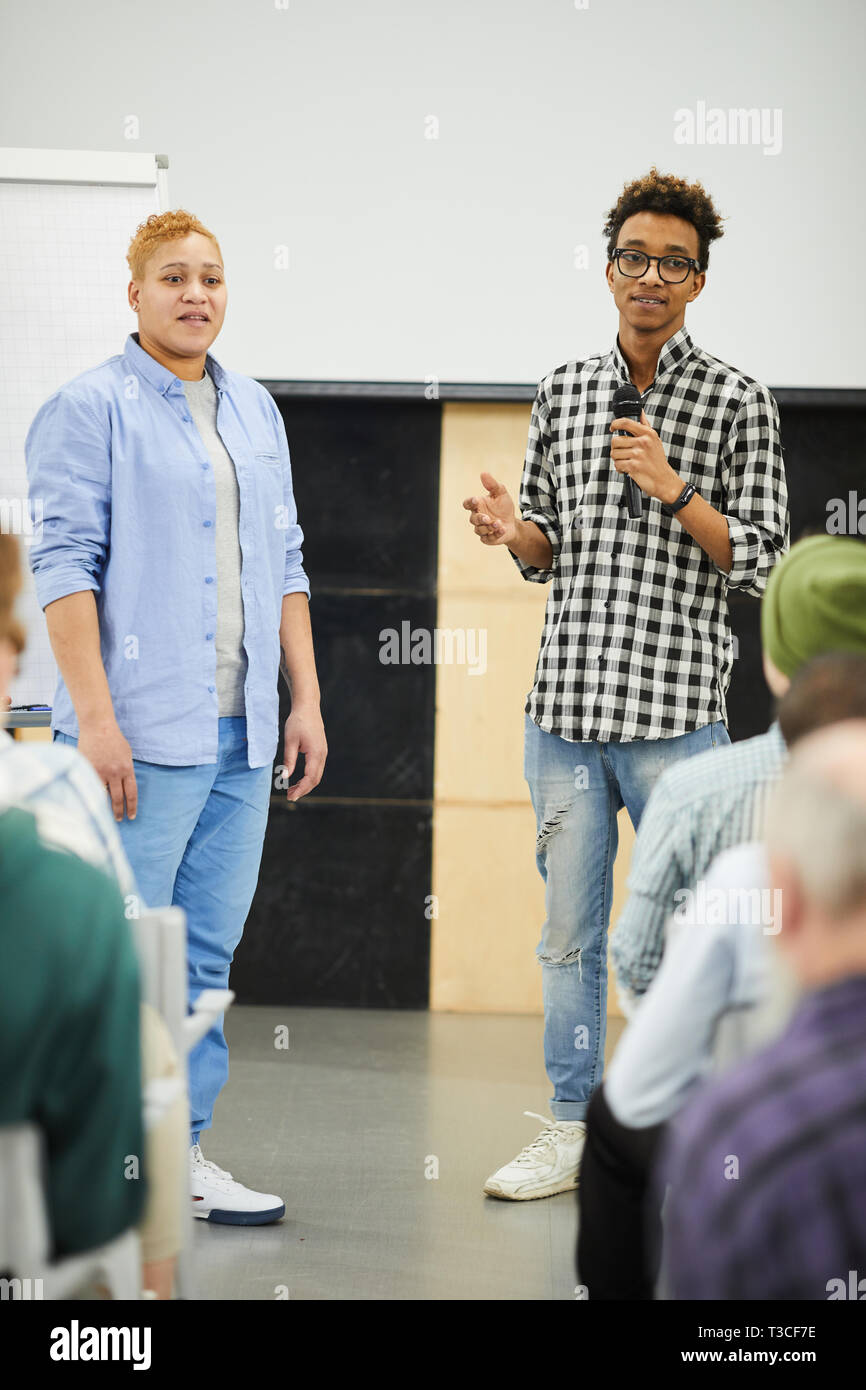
(211,688)
(207,523)
(209,580)
(210,637)
(205,466)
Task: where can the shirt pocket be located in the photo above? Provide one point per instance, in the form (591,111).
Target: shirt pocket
(269,508)
(268,474)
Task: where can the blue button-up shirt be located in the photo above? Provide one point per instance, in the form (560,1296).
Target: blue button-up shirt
(129,511)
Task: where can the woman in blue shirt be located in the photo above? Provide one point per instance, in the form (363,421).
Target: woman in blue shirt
(171,575)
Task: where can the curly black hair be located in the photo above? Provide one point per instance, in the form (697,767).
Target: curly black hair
(657,192)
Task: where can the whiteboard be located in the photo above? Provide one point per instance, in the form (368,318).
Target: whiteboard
(66,220)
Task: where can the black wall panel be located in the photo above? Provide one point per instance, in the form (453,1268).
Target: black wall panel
(824,459)
(339,913)
(366,480)
(378,718)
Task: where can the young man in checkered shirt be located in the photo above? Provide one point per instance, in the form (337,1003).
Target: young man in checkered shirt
(636,651)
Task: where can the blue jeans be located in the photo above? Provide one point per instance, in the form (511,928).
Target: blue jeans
(196,843)
(576,790)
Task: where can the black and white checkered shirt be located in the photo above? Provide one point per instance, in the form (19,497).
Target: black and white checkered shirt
(636,641)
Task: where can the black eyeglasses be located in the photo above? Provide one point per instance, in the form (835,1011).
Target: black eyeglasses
(673,269)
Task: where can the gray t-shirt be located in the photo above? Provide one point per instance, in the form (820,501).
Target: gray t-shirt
(231,659)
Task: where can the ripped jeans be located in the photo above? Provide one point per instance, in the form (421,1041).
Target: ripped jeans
(577,790)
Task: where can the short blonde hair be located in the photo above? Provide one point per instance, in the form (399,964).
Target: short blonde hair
(159,228)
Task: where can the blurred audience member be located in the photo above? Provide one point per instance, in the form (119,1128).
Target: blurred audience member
(59,787)
(766,1167)
(720,993)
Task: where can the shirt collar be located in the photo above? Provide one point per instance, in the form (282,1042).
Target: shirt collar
(158,375)
(674,352)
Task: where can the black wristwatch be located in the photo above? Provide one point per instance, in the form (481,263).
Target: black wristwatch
(685,496)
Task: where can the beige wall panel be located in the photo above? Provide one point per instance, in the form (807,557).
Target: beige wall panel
(476,439)
(479,726)
(491,909)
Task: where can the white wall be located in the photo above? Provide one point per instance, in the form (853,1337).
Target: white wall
(411,257)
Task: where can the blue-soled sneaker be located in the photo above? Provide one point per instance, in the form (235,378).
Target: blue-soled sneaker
(217,1197)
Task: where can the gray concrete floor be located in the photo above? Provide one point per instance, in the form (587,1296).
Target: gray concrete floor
(345,1124)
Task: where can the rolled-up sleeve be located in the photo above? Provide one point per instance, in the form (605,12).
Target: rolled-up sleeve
(756,506)
(68,459)
(537,499)
(295,580)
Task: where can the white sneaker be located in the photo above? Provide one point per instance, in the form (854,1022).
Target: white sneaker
(217,1197)
(550,1164)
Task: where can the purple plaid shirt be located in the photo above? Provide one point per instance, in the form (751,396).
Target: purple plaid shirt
(768,1167)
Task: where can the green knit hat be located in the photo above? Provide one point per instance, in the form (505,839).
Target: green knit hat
(815,602)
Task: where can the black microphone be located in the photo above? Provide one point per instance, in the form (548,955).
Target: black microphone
(626,404)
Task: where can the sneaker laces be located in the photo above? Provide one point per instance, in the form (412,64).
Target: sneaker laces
(202,1162)
(545,1139)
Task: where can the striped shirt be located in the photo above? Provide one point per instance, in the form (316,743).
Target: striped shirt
(60,788)
(696,809)
(637,641)
(789,1221)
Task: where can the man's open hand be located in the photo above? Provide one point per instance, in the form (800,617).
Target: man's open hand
(493,516)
